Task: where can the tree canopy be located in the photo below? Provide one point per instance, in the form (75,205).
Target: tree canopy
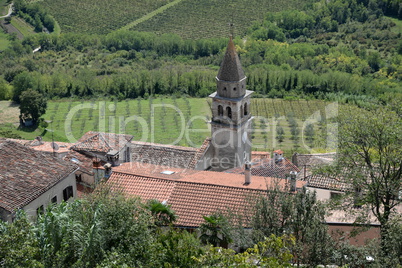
(32,105)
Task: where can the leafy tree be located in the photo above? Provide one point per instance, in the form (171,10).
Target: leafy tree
(309,133)
(273,251)
(22,81)
(162,213)
(180,248)
(301,215)
(280,133)
(33,105)
(216,230)
(5,90)
(370,160)
(18,246)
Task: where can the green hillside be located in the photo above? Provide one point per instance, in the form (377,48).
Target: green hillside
(209,18)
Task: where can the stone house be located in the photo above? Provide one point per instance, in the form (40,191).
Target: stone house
(32,180)
(95,149)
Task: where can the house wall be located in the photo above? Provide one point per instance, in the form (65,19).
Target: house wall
(86,178)
(205,161)
(322,194)
(5,215)
(365,235)
(56,190)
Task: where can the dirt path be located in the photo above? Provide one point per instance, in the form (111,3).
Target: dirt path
(10,10)
(150,15)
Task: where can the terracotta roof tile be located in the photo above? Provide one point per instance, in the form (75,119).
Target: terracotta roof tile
(191,193)
(162,154)
(84,162)
(101,142)
(44,146)
(326,182)
(25,174)
(301,160)
(268,167)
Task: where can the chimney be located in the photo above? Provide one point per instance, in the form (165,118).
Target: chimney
(278,155)
(247,173)
(293,175)
(96,163)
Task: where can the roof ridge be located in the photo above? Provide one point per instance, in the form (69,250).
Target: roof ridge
(199,153)
(188,182)
(102,135)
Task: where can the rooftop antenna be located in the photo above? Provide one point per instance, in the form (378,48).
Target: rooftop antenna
(55,147)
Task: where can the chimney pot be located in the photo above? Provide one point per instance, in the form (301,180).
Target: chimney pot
(247,173)
(293,175)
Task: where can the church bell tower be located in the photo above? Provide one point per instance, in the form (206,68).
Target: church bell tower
(231,117)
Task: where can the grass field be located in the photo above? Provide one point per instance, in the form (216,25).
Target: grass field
(3,40)
(187,125)
(3,7)
(24,28)
(398,25)
(198,19)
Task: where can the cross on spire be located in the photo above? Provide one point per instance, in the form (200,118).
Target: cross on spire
(231,29)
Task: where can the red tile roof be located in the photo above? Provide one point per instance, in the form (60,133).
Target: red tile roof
(44,146)
(101,142)
(268,167)
(163,154)
(25,174)
(329,183)
(191,193)
(301,160)
(84,162)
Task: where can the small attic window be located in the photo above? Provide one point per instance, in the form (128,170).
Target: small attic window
(75,160)
(167,172)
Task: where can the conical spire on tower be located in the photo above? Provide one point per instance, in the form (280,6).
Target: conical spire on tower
(231,69)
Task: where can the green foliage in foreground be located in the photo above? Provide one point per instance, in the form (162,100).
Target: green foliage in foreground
(109,230)
(106,229)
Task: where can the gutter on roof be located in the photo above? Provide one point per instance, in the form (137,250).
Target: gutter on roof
(352,224)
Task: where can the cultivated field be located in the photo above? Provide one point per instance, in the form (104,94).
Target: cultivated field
(158,120)
(188,18)
(98,16)
(197,19)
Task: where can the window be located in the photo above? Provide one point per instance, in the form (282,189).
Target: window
(220,110)
(54,199)
(229,112)
(245,108)
(234,89)
(78,177)
(67,193)
(224,88)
